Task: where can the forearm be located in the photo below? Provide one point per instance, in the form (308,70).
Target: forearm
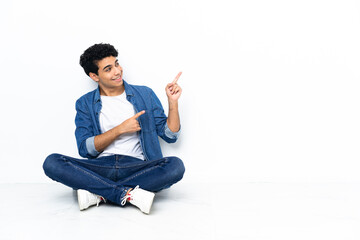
(103,140)
(173,120)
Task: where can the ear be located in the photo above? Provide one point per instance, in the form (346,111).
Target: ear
(94,77)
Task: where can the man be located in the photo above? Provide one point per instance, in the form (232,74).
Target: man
(117,129)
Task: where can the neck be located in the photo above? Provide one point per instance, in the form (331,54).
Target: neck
(112,92)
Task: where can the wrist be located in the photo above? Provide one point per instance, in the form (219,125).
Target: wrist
(173,105)
(119,130)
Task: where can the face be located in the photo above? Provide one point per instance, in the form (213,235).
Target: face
(109,75)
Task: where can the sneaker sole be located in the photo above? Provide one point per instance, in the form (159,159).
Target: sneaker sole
(151,200)
(81,194)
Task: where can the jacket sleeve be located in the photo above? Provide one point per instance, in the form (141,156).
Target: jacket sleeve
(84,131)
(162,128)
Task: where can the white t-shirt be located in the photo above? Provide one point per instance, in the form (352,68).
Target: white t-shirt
(114,111)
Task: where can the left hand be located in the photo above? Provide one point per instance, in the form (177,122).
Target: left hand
(173,90)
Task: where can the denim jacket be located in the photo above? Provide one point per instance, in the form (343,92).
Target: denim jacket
(153,123)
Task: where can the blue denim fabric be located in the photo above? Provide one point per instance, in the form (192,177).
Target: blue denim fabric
(112,176)
(153,122)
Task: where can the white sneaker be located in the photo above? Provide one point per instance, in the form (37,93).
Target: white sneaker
(140,198)
(87,199)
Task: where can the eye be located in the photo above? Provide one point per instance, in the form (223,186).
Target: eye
(107,70)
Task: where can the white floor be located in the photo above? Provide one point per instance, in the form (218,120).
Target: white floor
(188,211)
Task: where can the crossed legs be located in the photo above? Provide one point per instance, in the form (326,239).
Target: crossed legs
(111,177)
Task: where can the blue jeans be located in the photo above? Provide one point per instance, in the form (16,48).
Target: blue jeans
(112,176)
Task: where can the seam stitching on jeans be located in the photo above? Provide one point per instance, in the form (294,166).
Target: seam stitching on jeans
(69,159)
(95,177)
(140,173)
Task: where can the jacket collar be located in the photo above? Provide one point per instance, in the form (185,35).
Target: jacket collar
(128,89)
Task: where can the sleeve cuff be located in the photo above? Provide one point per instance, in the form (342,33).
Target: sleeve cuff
(170,134)
(90,146)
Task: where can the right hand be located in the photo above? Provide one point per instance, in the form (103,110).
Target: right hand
(131,125)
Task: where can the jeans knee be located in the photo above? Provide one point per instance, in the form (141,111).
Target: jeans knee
(50,164)
(178,168)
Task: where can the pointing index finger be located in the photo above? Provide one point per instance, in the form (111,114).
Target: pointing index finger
(139,114)
(176,78)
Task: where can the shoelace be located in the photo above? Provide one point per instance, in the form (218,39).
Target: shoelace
(99,199)
(128,196)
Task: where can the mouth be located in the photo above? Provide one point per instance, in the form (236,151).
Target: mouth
(118,79)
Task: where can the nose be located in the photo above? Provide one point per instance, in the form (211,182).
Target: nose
(118,70)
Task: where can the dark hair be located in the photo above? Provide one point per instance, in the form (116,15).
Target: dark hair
(91,56)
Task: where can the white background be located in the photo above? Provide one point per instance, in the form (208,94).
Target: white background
(270,88)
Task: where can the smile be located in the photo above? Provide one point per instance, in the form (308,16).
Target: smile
(117,79)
